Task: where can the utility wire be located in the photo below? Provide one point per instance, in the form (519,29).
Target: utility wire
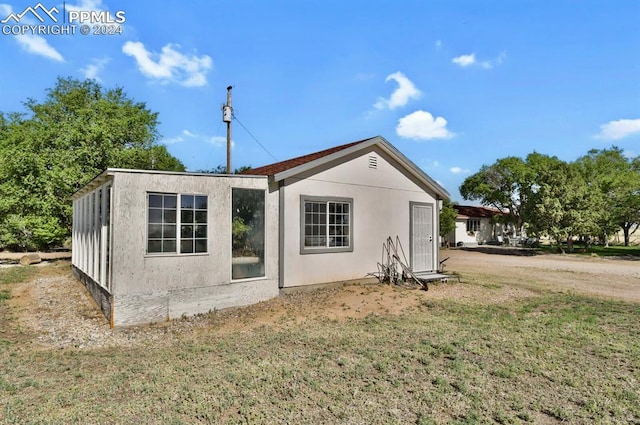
(254,137)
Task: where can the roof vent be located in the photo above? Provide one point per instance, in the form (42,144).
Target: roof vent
(373,161)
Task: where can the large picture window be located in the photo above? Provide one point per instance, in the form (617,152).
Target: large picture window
(326,224)
(176,223)
(247,228)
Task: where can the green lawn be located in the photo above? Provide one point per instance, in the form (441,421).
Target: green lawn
(602,251)
(12,275)
(550,358)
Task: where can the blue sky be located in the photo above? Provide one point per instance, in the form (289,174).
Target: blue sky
(452,84)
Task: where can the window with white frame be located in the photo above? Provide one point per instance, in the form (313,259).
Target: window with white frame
(326,224)
(473,224)
(176,223)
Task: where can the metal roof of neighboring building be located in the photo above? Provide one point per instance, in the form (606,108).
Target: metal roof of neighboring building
(476,211)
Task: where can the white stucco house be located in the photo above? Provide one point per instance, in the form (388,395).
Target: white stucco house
(478,225)
(153,245)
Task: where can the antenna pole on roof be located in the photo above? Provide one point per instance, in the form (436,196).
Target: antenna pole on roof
(227,111)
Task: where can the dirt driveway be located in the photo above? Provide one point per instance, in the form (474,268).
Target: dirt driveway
(55,310)
(617,278)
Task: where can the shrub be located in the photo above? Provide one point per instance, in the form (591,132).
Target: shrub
(30,233)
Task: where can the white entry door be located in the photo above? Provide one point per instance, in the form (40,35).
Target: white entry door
(421,237)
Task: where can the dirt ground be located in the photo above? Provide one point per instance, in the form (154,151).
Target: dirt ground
(55,311)
(617,278)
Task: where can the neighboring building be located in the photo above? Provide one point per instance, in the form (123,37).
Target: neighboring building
(478,226)
(155,245)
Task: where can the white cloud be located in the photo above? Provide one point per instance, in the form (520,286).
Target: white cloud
(216,141)
(221,141)
(468,60)
(616,130)
(171,65)
(34,44)
(38,46)
(438,44)
(93,69)
(180,138)
(421,125)
(406,91)
(458,170)
(464,60)
(486,64)
(172,140)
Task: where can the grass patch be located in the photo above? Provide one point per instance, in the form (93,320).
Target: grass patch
(620,251)
(552,357)
(4,295)
(16,274)
(9,276)
(602,251)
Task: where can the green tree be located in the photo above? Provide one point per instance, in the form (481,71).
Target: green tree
(447,218)
(560,202)
(222,169)
(503,185)
(616,181)
(60,144)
